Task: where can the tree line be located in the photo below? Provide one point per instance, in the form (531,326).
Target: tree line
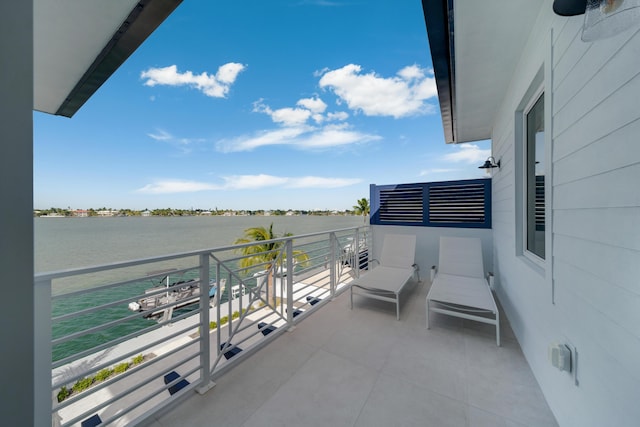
(104,211)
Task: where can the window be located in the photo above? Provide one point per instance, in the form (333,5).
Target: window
(534,154)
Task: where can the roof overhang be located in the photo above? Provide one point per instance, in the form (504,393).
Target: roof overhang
(475,48)
(78,45)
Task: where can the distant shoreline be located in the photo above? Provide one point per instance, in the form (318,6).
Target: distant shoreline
(79,213)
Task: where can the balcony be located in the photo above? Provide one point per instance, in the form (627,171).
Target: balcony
(285,349)
(361,367)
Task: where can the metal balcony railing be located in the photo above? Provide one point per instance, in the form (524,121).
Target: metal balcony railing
(123,341)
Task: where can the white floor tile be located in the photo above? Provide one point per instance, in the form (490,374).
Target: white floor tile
(395,402)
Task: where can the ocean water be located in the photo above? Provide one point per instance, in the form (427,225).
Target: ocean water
(69,243)
(65,243)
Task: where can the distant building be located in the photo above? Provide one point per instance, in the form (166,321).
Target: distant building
(81,213)
(145,213)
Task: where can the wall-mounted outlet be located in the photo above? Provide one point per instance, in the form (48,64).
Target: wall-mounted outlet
(564,356)
(560,356)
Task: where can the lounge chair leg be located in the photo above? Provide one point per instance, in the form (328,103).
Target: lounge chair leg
(498,328)
(397,306)
(427,314)
(351,291)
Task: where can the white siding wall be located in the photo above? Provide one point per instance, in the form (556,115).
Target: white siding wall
(593,269)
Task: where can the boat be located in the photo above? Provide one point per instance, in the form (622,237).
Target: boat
(182,293)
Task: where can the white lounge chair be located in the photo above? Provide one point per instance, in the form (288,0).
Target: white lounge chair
(460,287)
(395,268)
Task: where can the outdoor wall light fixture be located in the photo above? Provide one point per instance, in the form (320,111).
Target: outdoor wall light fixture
(489,164)
(602,18)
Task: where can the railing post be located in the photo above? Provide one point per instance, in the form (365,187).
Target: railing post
(333,243)
(289,259)
(357,255)
(218,297)
(205,342)
(43,395)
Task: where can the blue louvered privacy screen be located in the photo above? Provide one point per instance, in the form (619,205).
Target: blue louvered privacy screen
(465,204)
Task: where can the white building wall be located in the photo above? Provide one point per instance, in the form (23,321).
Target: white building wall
(588,293)
(16,215)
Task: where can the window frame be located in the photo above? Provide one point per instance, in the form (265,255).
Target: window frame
(524,208)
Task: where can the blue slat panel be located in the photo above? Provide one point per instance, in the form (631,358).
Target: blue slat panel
(464,204)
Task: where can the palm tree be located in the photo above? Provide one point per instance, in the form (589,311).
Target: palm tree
(362,208)
(265,253)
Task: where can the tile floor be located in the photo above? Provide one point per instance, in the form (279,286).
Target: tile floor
(362,367)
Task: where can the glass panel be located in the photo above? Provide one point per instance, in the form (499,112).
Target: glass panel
(535,178)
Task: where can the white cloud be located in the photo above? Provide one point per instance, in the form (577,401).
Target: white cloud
(161,135)
(216,86)
(290,116)
(284,116)
(399,96)
(175,186)
(183,144)
(281,136)
(296,131)
(228,72)
(340,115)
(411,72)
(253,182)
(315,105)
(467,153)
(303,137)
(246,182)
(333,136)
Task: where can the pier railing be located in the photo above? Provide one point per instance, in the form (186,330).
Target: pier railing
(125,340)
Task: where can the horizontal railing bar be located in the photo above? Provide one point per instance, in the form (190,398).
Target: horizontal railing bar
(235,343)
(310,269)
(112,343)
(102,326)
(127,373)
(126,392)
(165,388)
(143,418)
(41,278)
(269,315)
(121,302)
(116,284)
(321,256)
(318,255)
(319,279)
(319,244)
(116,360)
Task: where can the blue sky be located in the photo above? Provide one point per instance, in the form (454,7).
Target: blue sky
(285,104)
